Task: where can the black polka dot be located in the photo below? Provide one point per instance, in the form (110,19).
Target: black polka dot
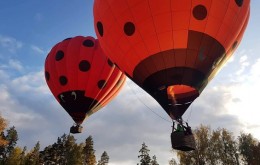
(100,28)
(84,66)
(101,84)
(234,45)
(239,2)
(110,63)
(59,55)
(199,12)
(63,80)
(88,43)
(47,76)
(129,28)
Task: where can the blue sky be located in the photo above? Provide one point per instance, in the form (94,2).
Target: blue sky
(35,26)
(28,31)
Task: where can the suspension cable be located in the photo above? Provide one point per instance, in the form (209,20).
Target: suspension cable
(189,116)
(147,105)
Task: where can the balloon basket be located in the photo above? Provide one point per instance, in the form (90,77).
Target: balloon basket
(182,141)
(76,129)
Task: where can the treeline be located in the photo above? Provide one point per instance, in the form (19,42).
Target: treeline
(65,151)
(219,146)
(213,147)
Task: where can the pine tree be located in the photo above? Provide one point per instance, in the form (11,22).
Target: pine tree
(12,138)
(48,155)
(74,151)
(104,159)
(64,151)
(144,156)
(60,150)
(154,161)
(23,155)
(89,152)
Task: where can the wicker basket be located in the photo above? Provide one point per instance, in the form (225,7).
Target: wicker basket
(182,141)
(76,129)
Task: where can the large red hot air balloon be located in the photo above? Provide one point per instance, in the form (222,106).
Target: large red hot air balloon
(81,77)
(170,48)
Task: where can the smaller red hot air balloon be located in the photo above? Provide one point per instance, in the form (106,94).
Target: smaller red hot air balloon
(81,77)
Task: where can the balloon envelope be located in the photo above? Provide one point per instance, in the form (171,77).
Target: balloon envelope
(81,77)
(170,48)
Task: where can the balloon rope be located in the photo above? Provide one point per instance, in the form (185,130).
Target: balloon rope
(147,105)
(190,113)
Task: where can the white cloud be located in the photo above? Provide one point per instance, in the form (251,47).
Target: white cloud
(16,113)
(4,93)
(9,43)
(243,59)
(239,94)
(16,65)
(28,105)
(31,82)
(12,64)
(255,71)
(37,49)
(244,63)
(3,76)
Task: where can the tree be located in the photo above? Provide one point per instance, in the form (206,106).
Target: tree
(89,152)
(3,125)
(15,156)
(11,139)
(64,151)
(144,156)
(48,155)
(197,156)
(228,147)
(256,154)
(212,147)
(59,150)
(74,151)
(23,155)
(172,162)
(104,159)
(223,148)
(33,157)
(154,161)
(246,147)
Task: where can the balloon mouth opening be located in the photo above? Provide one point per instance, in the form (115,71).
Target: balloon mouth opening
(181,91)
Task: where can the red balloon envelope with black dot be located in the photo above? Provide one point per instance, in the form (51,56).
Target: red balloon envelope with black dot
(81,77)
(170,48)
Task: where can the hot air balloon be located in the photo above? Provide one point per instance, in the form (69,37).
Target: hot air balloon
(171,48)
(81,77)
